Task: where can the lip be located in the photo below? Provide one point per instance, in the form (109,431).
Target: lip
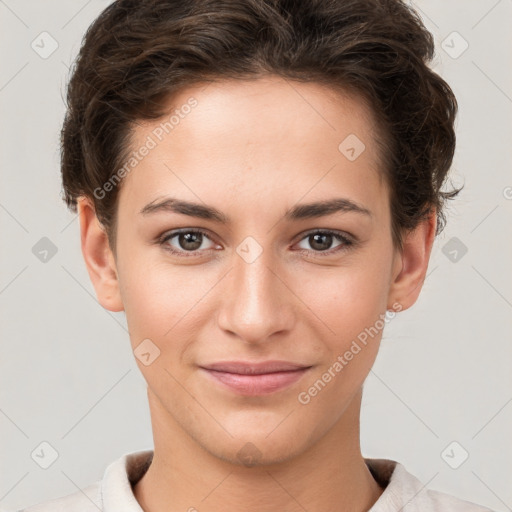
(254,368)
(252,379)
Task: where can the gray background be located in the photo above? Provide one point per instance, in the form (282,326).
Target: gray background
(68,377)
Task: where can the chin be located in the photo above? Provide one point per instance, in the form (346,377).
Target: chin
(255,447)
(251,454)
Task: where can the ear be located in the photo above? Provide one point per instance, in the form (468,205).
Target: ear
(98,257)
(410,265)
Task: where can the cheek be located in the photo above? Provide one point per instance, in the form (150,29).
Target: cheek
(347,298)
(351,303)
(352,309)
(164,304)
(147,301)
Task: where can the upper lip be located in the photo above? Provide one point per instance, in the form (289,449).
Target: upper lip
(251,368)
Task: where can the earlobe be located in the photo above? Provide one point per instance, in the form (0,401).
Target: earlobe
(98,257)
(411,264)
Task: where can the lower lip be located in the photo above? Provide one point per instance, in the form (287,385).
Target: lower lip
(253,385)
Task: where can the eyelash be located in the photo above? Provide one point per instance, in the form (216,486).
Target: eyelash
(346,241)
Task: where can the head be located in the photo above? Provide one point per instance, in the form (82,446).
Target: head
(314,140)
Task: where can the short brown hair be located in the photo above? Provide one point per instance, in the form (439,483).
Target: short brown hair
(138,52)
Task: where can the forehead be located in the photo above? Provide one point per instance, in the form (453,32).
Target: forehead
(255,110)
(269,136)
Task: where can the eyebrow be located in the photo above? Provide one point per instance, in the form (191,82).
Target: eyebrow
(298,212)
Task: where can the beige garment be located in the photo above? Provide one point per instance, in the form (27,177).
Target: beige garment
(403,491)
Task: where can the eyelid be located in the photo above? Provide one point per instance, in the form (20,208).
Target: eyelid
(347,242)
(168,235)
(333,232)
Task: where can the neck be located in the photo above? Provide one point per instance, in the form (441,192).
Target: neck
(329,475)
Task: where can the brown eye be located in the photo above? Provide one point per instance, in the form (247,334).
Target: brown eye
(190,241)
(321,242)
(185,241)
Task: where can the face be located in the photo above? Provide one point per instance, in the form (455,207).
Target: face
(252,271)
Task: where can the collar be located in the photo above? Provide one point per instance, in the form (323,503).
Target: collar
(116,492)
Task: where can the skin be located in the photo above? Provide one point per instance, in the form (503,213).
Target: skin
(253,150)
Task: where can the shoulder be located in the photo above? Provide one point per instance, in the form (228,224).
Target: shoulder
(113,492)
(437,501)
(84,500)
(404,492)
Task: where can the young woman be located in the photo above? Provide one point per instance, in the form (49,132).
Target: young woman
(259,188)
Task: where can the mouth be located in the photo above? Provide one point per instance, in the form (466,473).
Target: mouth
(253,379)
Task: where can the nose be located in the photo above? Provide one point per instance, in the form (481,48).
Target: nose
(257,302)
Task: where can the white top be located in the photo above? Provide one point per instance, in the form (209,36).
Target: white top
(403,491)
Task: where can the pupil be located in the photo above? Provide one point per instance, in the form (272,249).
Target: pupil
(190,238)
(317,241)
